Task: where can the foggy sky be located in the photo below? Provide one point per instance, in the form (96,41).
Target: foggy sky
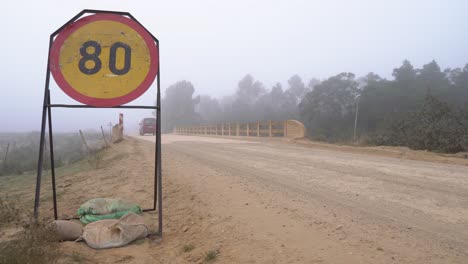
(214,44)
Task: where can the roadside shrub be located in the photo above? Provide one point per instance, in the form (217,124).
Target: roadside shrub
(436,127)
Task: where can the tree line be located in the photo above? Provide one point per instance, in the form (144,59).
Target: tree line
(424,108)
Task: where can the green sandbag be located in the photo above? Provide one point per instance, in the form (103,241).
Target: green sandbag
(105,208)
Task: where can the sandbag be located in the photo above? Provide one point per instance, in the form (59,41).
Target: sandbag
(67,230)
(114,233)
(105,208)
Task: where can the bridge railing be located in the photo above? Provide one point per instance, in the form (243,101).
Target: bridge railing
(287,128)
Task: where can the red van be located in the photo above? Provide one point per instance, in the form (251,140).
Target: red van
(148,126)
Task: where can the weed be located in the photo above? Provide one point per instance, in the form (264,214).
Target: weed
(95,157)
(78,258)
(211,255)
(188,247)
(36,243)
(8,213)
(139,242)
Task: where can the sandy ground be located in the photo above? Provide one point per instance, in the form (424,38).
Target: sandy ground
(271,202)
(283,203)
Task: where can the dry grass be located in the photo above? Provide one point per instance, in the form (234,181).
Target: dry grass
(76,257)
(188,247)
(211,255)
(35,243)
(95,157)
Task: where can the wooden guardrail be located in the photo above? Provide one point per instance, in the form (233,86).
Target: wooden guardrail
(287,128)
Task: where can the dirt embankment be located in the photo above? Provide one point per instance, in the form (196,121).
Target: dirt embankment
(126,172)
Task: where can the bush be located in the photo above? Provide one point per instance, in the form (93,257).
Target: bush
(436,127)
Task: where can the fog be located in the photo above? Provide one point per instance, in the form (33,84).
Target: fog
(215,44)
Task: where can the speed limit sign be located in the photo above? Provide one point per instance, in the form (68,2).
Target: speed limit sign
(104,60)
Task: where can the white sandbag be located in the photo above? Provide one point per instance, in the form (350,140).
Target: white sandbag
(67,230)
(110,233)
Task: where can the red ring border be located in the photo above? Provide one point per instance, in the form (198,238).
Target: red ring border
(100,102)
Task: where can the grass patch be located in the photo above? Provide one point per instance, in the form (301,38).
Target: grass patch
(8,213)
(36,243)
(21,155)
(188,247)
(139,241)
(20,188)
(211,255)
(78,258)
(95,157)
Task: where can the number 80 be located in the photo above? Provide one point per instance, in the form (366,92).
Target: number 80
(97,62)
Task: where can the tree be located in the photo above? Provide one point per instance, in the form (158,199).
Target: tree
(296,88)
(277,105)
(312,83)
(375,102)
(249,90)
(405,74)
(432,79)
(457,93)
(329,109)
(210,109)
(244,108)
(434,127)
(179,106)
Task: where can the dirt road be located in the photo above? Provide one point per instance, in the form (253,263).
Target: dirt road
(272,202)
(266,202)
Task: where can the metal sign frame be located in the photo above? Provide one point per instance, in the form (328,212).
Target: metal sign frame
(47,115)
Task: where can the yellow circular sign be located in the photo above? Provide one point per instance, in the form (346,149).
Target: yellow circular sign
(104,60)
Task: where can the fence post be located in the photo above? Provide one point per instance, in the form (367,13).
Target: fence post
(285,128)
(237,129)
(222,129)
(258,129)
(6,156)
(269,128)
(104,137)
(84,141)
